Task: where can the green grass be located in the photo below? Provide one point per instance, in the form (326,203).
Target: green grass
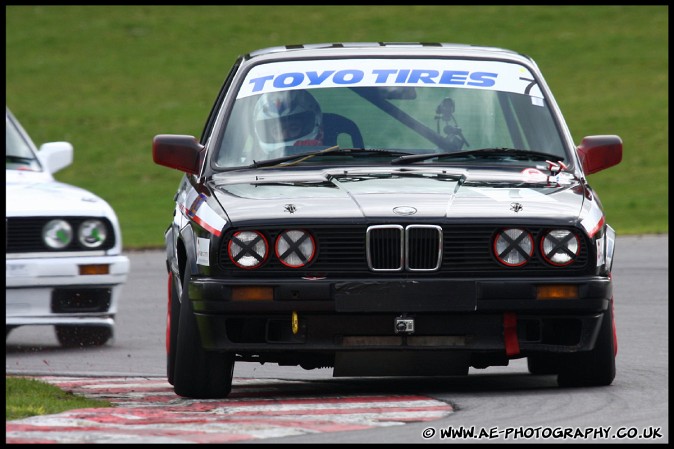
(109,78)
(26,397)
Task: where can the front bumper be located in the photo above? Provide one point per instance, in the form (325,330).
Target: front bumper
(52,290)
(500,315)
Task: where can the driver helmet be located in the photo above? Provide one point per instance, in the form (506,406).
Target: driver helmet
(287,118)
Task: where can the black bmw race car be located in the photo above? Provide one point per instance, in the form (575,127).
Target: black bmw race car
(387,210)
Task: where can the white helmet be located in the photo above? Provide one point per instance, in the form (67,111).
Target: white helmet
(287,118)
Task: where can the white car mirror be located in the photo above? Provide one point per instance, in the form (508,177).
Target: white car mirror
(56,155)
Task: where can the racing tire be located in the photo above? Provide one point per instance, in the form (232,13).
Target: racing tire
(172,323)
(596,367)
(198,374)
(81,336)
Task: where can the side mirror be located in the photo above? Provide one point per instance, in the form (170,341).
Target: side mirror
(56,155)
(181,152)
(600,152)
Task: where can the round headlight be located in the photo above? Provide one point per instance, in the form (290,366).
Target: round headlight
(57,234)
(295,248)
(92,233)
(248,249)
(560,247)
(513,247)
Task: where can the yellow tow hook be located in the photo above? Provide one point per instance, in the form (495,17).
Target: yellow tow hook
(295,323)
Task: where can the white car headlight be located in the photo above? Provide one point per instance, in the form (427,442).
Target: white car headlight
(513,247)
(560,247)
(295,248)
(92,233)
(248,249)
(57,234)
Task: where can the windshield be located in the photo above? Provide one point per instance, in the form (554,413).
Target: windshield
(18,153)
(399,107)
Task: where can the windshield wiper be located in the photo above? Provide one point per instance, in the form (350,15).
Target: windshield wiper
(376,151)
(297,158)
(480,152)
(300,157)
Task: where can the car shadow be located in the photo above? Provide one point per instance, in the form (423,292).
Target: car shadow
(521,381)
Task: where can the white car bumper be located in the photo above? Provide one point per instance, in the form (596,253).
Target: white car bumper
(51,290)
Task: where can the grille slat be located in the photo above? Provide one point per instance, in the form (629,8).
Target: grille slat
(423,245)
(385,247)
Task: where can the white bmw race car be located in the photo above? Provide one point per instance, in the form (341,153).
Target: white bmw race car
(64,262)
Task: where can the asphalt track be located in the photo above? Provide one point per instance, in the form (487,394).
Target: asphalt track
(284,405)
